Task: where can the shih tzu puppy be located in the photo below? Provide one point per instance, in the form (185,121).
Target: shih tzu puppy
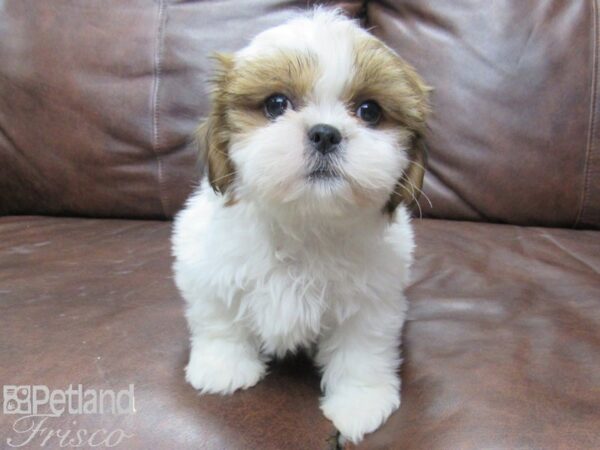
(300,236)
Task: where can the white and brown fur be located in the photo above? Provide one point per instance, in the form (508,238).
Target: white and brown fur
(269,260)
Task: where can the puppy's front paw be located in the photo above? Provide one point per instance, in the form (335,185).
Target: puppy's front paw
(358,410)
(220,367)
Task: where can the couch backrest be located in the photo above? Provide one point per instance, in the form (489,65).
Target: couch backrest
(99,99)
(514,135)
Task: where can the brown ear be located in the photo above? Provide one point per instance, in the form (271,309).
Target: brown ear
(409,187)
(213,143)
(213,134)
(413,109)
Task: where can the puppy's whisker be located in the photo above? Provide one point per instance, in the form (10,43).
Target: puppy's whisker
(421,192)
(419,165)
(415,200)
(228,174)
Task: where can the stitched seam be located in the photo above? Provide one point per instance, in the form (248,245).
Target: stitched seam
(155,103)
(592,123)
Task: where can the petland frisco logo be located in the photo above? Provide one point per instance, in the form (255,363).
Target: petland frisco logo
(38,406)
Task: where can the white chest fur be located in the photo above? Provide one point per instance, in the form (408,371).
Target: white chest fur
(285,285)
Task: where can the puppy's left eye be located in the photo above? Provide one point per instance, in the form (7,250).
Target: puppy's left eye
(369,112)
(276,105)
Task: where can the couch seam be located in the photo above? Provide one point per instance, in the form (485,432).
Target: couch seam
(155,103)
(592,120)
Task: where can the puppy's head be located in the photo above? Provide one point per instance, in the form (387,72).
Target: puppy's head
(319,115)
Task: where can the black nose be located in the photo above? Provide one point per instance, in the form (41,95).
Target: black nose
(325,138)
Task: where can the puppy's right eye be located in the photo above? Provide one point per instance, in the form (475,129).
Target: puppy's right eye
(369,112)
(276,105)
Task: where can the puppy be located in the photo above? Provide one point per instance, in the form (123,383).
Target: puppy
(300,236)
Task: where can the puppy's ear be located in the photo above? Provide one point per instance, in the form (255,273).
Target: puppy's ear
(213,134)
(415,101)
(409,187)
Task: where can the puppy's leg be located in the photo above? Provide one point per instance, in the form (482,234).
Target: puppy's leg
(223,355)
(360,361)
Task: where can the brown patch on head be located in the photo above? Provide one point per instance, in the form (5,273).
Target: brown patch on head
(383,76)
(289,73)
(239,91)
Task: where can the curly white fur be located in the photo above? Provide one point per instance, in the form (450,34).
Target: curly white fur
(268,274)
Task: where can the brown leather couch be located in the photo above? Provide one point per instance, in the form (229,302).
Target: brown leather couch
(98,99)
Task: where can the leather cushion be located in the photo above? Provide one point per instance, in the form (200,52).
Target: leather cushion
(514,134)
(98,103)
(99,100)
(502,346)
